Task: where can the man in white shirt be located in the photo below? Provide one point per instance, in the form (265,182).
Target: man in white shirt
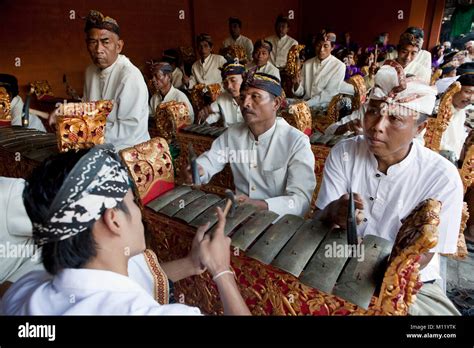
(162,73)
(391,174)
(281,42)
(226,107)
(235,38)
(84,216)
(455,134)
(271,161)
(421,65)
(171,56)
(470,51)
(447,78)
(206,69)
(322,76)
(261,57)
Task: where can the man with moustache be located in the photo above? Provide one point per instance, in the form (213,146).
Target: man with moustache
(114,77)
(383,166)
(280,178)
(322,76)
(226,107)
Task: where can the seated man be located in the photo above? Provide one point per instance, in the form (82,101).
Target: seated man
(10,83)
(162,75)
(391,174)
(171,56)
(447,78)
(227,104)
(421,65)
(114,77)
(271,161)
(84,216)
(235,38)
(281,42)
(322,75)
(206,69)
(455,134)
(261,56)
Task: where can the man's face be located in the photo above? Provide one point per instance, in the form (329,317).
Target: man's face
(160,80)
(406,54)
(204,49)
(232,84)
(134,231)
(257,106)
(104,47)
(349,60)
(281,29)
(234,30)
(323,49)
(389,135)
(470,48)
(261,56)
(385,40)
(464,97)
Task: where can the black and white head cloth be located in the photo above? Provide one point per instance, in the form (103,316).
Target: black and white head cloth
(99,181)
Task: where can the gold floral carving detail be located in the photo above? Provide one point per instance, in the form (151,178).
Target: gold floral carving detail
(170,117)
(360,90)
(293,64)
(436,127)
(298,115)
(202,95)
(435,77)
(235,51)
(321,153)
(148,163)
(82,125)
(418,234)
(5,105)
(42,89)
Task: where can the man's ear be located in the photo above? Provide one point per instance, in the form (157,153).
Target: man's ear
(277,103)
(112,219)
(120,44)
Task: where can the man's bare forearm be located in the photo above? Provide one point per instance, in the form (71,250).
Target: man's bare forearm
(178,269)
(231,298)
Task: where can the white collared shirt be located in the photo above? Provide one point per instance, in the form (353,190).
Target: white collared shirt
(84,292)
(242,41)
(321,80)
(226,107)
(208,72)
(389,198)
(280,49)
(443,84)
(177,78)
(277,168)
(173,94)
(268,68)
(455,134)
(16,106)
(421,66)
(122,82)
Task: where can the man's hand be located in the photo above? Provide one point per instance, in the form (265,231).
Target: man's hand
(244,199)
(193,256)
(188,176)
(336,211)
(214,251)
(52,119)
(203,114)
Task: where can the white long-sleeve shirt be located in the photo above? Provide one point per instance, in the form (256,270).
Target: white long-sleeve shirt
(389,198)
(122,82)
(226,107)
(321,80)
(207,72)
(420,66)
(455,134)
(277,168)
(173,94)
(280,49)
(242,41)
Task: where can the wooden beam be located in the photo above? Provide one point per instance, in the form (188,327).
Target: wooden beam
(418,13)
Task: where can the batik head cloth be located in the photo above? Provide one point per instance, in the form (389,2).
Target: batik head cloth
(263,81)
(97,182)
(95,19)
